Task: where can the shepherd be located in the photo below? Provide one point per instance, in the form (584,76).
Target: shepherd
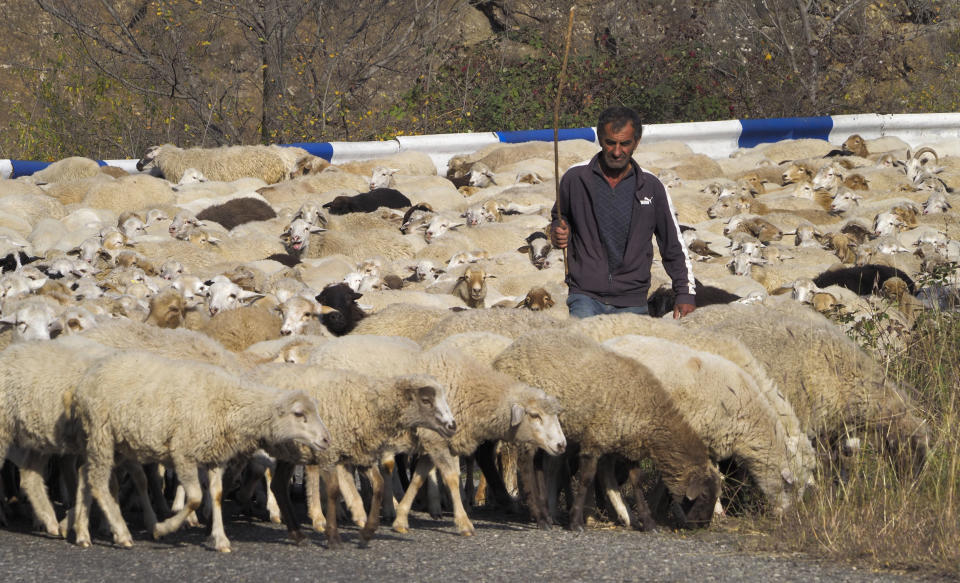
(608,211)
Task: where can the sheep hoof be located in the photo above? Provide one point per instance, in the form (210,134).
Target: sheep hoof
(544,525)
(469,532)
(334,544)
(296,536)
(83,543)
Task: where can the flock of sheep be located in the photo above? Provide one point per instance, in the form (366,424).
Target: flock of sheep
(231,315)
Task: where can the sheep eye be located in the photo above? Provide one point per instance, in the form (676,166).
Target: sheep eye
(426,401)
(535,416)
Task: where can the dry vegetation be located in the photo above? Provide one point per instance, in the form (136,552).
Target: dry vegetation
(866,511)
(107,80)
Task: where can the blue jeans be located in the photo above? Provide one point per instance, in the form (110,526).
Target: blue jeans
(582,306)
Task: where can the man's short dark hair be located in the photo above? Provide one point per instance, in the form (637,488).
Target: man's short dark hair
(620,116)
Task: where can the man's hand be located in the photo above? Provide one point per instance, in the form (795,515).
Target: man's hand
(560,234)
(681,310)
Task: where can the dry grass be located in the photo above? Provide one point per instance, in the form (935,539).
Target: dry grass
(864,509)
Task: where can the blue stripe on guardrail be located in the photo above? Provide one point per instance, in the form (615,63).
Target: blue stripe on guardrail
(322,149)
(26,167)
(516,137)
(760,131)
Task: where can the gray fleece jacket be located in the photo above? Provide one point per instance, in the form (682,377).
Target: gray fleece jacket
(652,215)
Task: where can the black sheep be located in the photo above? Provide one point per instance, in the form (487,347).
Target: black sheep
(863,279)
(367,202)
(343,299)
(662,300)
(237,212)
(9,262)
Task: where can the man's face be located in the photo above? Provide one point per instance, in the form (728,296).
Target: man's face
(617,146)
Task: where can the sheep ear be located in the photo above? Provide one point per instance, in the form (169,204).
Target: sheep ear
(454,227)
(317,230)
(8,321)
(787,476)
(524,249)
(516,414)
(327,309)
(489,276)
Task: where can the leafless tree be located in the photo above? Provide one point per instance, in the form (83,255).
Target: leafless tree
(245,69)
(807,51)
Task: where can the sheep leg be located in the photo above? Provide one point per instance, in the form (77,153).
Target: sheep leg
(351,497)
(280,486)
(98,469)
(611,490)
(68,479)
(33,485)
(532,486)
(139,478)
(179,499)
(78,517)
(554,475)
(155,485)
(333,496)
(273,508)
(218,537)
(588,469)
(433,495)
(314,504)
(486,459)
(376,499)
(190,480)
(400,523)
(644,515)
(470,488)
(449,467)
(390,479)
(508,466)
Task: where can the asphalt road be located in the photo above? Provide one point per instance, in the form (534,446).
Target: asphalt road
(502,550)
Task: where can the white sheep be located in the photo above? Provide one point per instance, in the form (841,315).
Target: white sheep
(269,163)
(726,407)
(206,417)
(487,405)
(833,385)
(38,419)
(363,413)
(613,404)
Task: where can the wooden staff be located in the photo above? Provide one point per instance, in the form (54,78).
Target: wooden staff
(556,129)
